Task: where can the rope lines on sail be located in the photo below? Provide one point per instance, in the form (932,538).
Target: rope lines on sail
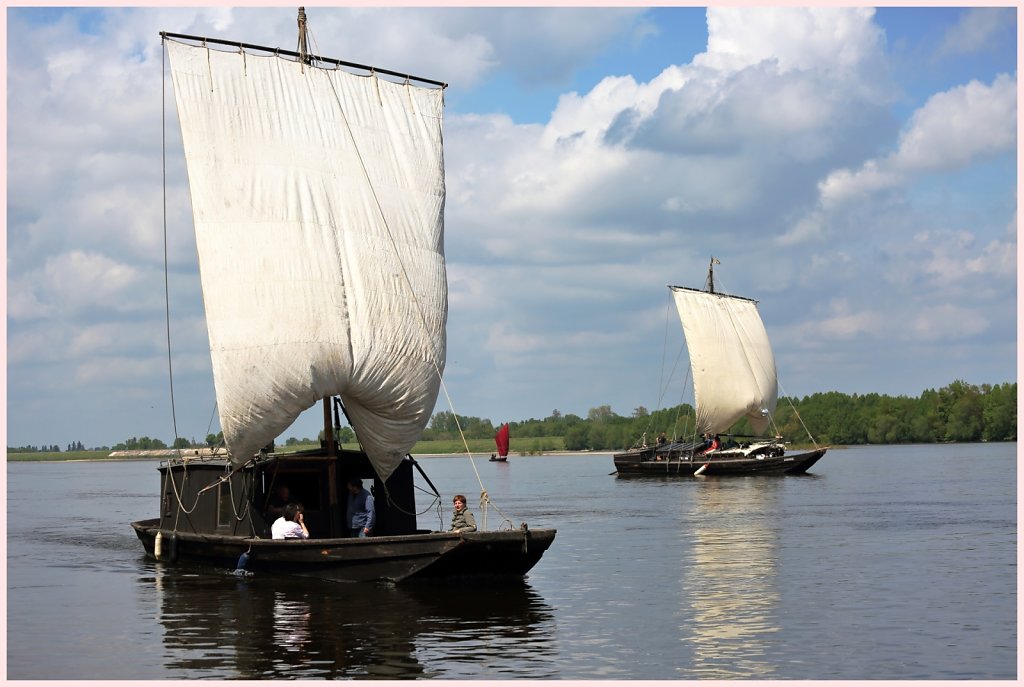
(484,498)
(736,325)
(750,355)
(764,368)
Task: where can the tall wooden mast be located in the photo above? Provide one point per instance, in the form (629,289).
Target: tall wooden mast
(303,48)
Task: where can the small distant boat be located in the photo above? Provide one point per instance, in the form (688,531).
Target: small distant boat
(734,377)
(318,198)
(501,441)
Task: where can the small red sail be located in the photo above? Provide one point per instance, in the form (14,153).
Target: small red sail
(501,440)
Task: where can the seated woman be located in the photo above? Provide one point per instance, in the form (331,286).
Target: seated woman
(711,444)
(462,519)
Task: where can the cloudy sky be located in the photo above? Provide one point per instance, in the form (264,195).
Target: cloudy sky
(854,170)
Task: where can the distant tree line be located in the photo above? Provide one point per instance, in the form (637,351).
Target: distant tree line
(34,449)
(959,412)
(133,444)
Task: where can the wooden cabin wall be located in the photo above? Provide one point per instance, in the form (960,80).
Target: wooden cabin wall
(185,507)
(319,483)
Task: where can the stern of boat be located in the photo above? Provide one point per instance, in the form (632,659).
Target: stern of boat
(502,553)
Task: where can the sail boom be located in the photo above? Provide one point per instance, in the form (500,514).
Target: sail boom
(712,293)
(292,53)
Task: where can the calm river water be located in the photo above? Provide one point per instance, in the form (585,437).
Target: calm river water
(886,563)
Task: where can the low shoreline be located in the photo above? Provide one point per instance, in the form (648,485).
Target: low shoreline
(163,454)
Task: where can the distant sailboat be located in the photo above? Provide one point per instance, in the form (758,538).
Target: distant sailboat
(734,377)
(501,442)
(318,198)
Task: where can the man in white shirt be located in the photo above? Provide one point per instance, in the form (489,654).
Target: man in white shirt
(290,525)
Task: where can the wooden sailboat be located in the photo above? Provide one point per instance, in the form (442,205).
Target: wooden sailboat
(501,443)
(734,377)
(318,200)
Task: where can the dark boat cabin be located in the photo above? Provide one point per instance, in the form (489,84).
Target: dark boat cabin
(203,496)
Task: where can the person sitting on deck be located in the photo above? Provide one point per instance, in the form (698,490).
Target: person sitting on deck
(462,519)
(712,444)
(291,525)
(662,439)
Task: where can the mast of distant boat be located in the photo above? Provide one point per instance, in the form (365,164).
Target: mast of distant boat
(710,284)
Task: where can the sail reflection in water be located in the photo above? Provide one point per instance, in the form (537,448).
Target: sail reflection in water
(219,626)
(730,580)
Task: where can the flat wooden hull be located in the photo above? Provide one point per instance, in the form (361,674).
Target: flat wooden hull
(648,462)
(429,555)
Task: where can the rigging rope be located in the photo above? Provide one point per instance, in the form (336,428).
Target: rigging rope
(209,425)
(665,383)
(484,499)
(167,288)
(764,368)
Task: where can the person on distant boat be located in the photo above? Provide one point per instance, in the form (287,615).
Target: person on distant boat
(291,525)
(360,513)
(711,443)
(278,500)
(662,439)
(462,519)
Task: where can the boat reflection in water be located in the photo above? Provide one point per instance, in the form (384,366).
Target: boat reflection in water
(731,579)
(291,623)
(259,627)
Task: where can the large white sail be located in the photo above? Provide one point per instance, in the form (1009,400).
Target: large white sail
(731,359)
(318,199)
